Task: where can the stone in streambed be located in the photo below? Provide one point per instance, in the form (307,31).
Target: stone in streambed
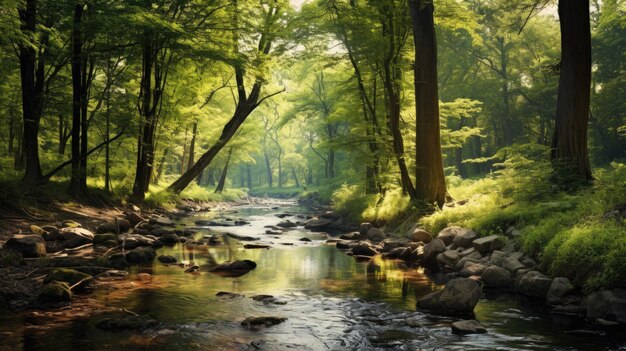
(29,246)
(431,250)
(558,289)
(229,295)
(127,323)
(75,237)
(169,239)
(497,277)
(167,259)
(468,327)
(141,255)
(458,297)
(109,240)
(234,268)
(448,234)
(363,248)
(69,276)
(115,225)
(533,283)
(286,224)
(488,244)
(55,292)
(256,246)
(421,235)
(259,322)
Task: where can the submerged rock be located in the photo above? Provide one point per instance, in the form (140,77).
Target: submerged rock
(256,246)
(260,322)
(127,323)
(69,276)
(234,268)
(141,255)
(167,259)
(458,297)
(229,295)
(29,246)
(55,292)
(468,327)
(607,306)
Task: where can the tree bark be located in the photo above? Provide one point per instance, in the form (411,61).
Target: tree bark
(268,168)
(222,182)
(249,176)
(77,101)
(430,182)
(192,145)
(295,177)
(569,142)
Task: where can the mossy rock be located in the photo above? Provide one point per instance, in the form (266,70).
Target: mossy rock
(117,261)
(109,240)
(70,224)
(9,258)
(67,275)
(55,292)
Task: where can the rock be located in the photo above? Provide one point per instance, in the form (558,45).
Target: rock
(163,221)
(115,225)
(117,261)
(191,269)
(512,264)
(29,246)
(241,237)
(364,228)
(259,322)
(234,268)
(343,245)
(468,327)
(69,276)
(287,224)
(10,258)
(497,257)
(363,248)
(305,239)
(169,239)
(75,237)
(488,244)
(575,310)
(396,253)
(35,229)
(51,232)
(229,295)
(449,258)
(465,239)
(471,269)
(607,305)
(458,297)
(533,283)
(497,277)
(375,235)
(318,224)
(463,261)
(268,299)
(558,289)
(112,274)
(159,231)
(55,292)
(127,323)
(352,236)
(70,224)
(448,234)
(431,250)
(141,255)
(471,253)
(392,243)
(167,259)
(421,235)
(256,246)
(135,218)
(528,262)
(109,240)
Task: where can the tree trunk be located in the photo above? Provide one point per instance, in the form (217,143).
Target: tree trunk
(295,177)
(331,164)
(107,150)
(268,168)
(32,95)
(249,176)
(220,184)
(569,142)
(77,104)
(192,145)
(430,182)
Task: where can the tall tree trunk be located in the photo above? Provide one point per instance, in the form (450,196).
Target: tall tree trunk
(331,164)
(222,182)
(268,168)
(249,176)
(77,95)
(211,177)
(192,145)
(32,94)
(159,172)
(430,182)
(569,142)
(107,150)
(295,176)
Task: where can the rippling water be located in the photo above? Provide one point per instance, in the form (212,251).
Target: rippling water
(332,302)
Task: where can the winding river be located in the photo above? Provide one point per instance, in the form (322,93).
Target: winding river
(330,300)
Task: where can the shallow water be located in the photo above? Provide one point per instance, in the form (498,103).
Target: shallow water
(332,301)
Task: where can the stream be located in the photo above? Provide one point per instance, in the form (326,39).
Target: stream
(331,302)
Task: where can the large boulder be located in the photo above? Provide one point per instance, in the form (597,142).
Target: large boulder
(512,264)
(141,255)
(364,248)
(468,327)
(135,218)
(109,239)
(422,235)
(533,283)
(497,277)
(75,237)
(234,268)
(458,297)
(115,225)
(29,246)
(318,224)
(472,268)
(55,292)
(449,258)
(375,235)
(465,239)
(431,250)
(488,244)
(450,233)
(607,306)
(559,288)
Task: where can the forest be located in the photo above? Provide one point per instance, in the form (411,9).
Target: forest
(438,143)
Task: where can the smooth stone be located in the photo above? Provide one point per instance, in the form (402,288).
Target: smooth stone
(488,244)
(497,277)
(29,246)
(431,250)
(468,327)
(167,259)
(458,297)
(448,234)
(259,322)
(534,284)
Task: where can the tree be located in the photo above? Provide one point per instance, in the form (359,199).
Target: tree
(430,183)
(569,142)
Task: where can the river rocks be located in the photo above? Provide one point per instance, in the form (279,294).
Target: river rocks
(69,276)
(559,288)
(364,228)
(55,292)
(117,261)
(318,224)
(167,259)
(471,253)
(75,237)
(241,237)
(228,295)
(141,255)
(169,239)
(472,269)
(256,323)
(256,246)
(422,235)
(431,250)
(364,248)
(352,236)
(497,277)
(488,244)
(497,257)
(29,246)
(162,221)
(465,238)
(375,235)
(132,322)
(286,224)
(397,253)
(135,218)
(234,268)
(458,297)
(68,223)
(115,225)
(533,283)
(512,264)
(467,327)
(109,240)
(391,243)
(268,299)
(448,234)
(449,258)
(160,231)
(607,307)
